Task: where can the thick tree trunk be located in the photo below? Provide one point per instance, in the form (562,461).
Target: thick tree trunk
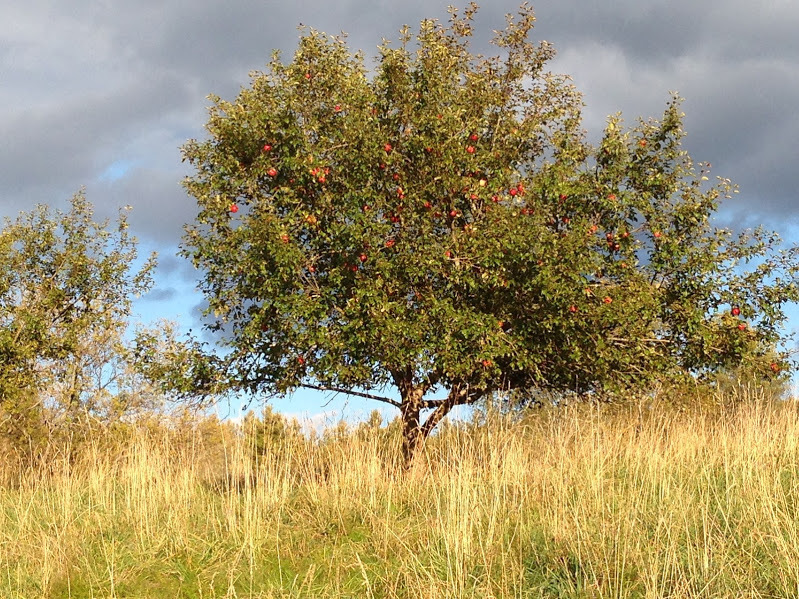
(412,434)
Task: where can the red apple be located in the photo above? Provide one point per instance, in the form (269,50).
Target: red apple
(234,208)
(267,147)
(395,176)
(495,199)
(337,108)
(775,368)
(428,205)
(657,234)
(612,197)
(300,360)
(272,172)
(572,308)
(453,213)
(365,208)
(607,299)
(742,327)
(390,243)
(388,148)
(284,238)
(486,363)
(363,257)
(448,254)
(307,75)
(513,191)
(473,137)
(429,150)
(736,310)
(470,149)
(562,197)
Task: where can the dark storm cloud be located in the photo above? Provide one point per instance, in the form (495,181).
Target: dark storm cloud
(160,206)
(734,64)
(162,294)
(653,33)
(172,266)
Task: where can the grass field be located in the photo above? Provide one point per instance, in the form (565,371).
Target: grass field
(578,502)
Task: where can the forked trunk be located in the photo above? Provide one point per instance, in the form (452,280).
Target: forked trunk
(414,432)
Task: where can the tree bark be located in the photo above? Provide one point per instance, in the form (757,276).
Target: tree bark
(412,434)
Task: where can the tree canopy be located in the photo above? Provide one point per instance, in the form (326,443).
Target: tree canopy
(67,284)
(442,225)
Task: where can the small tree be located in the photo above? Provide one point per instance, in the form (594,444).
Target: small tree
(66,287)
(444,225)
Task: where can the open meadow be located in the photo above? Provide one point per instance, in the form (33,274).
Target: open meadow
(576,502)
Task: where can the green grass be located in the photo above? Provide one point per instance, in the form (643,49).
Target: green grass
(574,503)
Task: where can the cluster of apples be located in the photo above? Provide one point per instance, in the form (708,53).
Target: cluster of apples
(605,300)
(271,171)
(736,311)
(470,149)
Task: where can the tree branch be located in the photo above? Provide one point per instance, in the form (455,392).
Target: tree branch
(387,400)
(456,397)
(459,401)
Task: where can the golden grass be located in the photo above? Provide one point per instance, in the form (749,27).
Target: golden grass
(578,502)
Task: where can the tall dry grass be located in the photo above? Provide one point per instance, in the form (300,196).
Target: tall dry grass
(577,502)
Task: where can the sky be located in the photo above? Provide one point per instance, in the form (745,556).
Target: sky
(101,94)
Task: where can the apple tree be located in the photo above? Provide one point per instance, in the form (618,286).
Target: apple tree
(440,225)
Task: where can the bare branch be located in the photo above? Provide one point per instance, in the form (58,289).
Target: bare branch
(459,401)
(456,397)
(387,400)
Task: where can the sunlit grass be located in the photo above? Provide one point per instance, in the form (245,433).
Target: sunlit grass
(578,502)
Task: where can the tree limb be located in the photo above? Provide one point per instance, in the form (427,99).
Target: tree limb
(459,401)
(387,400)
(456,397)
